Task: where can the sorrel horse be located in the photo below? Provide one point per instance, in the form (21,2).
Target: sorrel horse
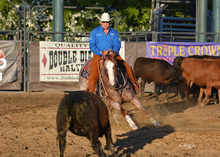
(116,94)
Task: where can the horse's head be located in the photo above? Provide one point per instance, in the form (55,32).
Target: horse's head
(110,66)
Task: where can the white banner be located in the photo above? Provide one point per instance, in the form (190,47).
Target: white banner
(62,61)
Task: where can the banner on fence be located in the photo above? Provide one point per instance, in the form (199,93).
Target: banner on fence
(8,58)
(62,61)
(169,50)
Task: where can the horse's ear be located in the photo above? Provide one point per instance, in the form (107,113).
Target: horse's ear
(114,54)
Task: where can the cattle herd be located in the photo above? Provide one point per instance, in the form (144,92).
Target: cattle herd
(85,114)
(202,71)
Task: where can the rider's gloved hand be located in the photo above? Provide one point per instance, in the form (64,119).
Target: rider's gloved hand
(111,53)
(104,53)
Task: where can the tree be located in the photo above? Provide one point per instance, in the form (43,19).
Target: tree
(132,15)
(8,16)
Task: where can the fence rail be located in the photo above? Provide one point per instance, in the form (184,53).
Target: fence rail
(125,36)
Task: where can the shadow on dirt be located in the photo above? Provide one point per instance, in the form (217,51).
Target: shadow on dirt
(135,140)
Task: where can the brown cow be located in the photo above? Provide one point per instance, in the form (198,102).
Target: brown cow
(205,73)
(84,114)
(203,90)
(177,66)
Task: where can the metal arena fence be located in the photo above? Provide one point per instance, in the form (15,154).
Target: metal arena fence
(20,48)
(27,53)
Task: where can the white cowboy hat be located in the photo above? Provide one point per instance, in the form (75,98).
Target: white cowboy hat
(105,17)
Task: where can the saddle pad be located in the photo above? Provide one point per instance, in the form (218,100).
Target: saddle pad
(86,69)
(85,74)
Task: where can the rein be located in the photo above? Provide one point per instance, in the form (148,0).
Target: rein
(100,78)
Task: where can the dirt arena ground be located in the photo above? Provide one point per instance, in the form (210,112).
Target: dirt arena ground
(28,128)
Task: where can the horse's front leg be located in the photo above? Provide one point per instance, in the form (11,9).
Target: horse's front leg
(136,102)
(118,107)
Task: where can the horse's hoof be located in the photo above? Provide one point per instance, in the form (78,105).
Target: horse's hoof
(158,125)
(166,101)
(134,127)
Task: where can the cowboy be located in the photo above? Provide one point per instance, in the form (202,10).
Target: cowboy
(105,40)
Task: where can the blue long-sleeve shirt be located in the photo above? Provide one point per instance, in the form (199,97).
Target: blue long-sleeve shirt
(99,42)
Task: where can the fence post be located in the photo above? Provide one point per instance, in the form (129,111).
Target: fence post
(58,19)
(202,11)
(216,19)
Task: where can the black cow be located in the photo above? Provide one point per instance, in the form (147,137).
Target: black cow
(177,63)
(158,71)
(84,114)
